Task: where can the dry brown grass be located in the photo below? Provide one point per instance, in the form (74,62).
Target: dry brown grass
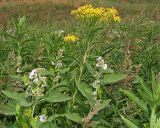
(75,2)
(37,10)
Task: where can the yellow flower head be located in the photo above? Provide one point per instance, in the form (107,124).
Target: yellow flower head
(102,14)
(71,38)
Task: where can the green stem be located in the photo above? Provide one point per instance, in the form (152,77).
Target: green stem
(34,105)
(83,63)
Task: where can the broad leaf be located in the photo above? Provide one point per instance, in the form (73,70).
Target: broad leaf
(33,122)
(85,90)
(113,78)
(56,97)
(24,102)
(8,109)
(13,95)
(20,97)
(74,117)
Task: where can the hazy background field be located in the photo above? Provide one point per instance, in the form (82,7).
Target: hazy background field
(57,12)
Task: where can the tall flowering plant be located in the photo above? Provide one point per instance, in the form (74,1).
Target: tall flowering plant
(91,72)
(68,86)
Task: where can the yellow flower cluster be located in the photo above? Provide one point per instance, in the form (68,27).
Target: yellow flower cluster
(71,38)
(102,14)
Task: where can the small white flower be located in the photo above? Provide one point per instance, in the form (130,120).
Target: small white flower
(36,72)
(9,30)
(97,65)
(95,93)
(44,85)
(105,66)
(43,79)
(99,58)
(100,63)
(57,78)
(42,118)
(19,71)
(59,33)
(33,74)
(96,83)
(59,64)
(38,81)
(35,80)
(52,63)
(60,53)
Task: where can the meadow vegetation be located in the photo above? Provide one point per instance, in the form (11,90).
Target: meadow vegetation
(80,64)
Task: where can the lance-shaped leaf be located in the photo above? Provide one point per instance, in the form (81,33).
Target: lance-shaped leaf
(85,90)
(129,123)
(135,99)
(74,117)
(54,96)
(113,78)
